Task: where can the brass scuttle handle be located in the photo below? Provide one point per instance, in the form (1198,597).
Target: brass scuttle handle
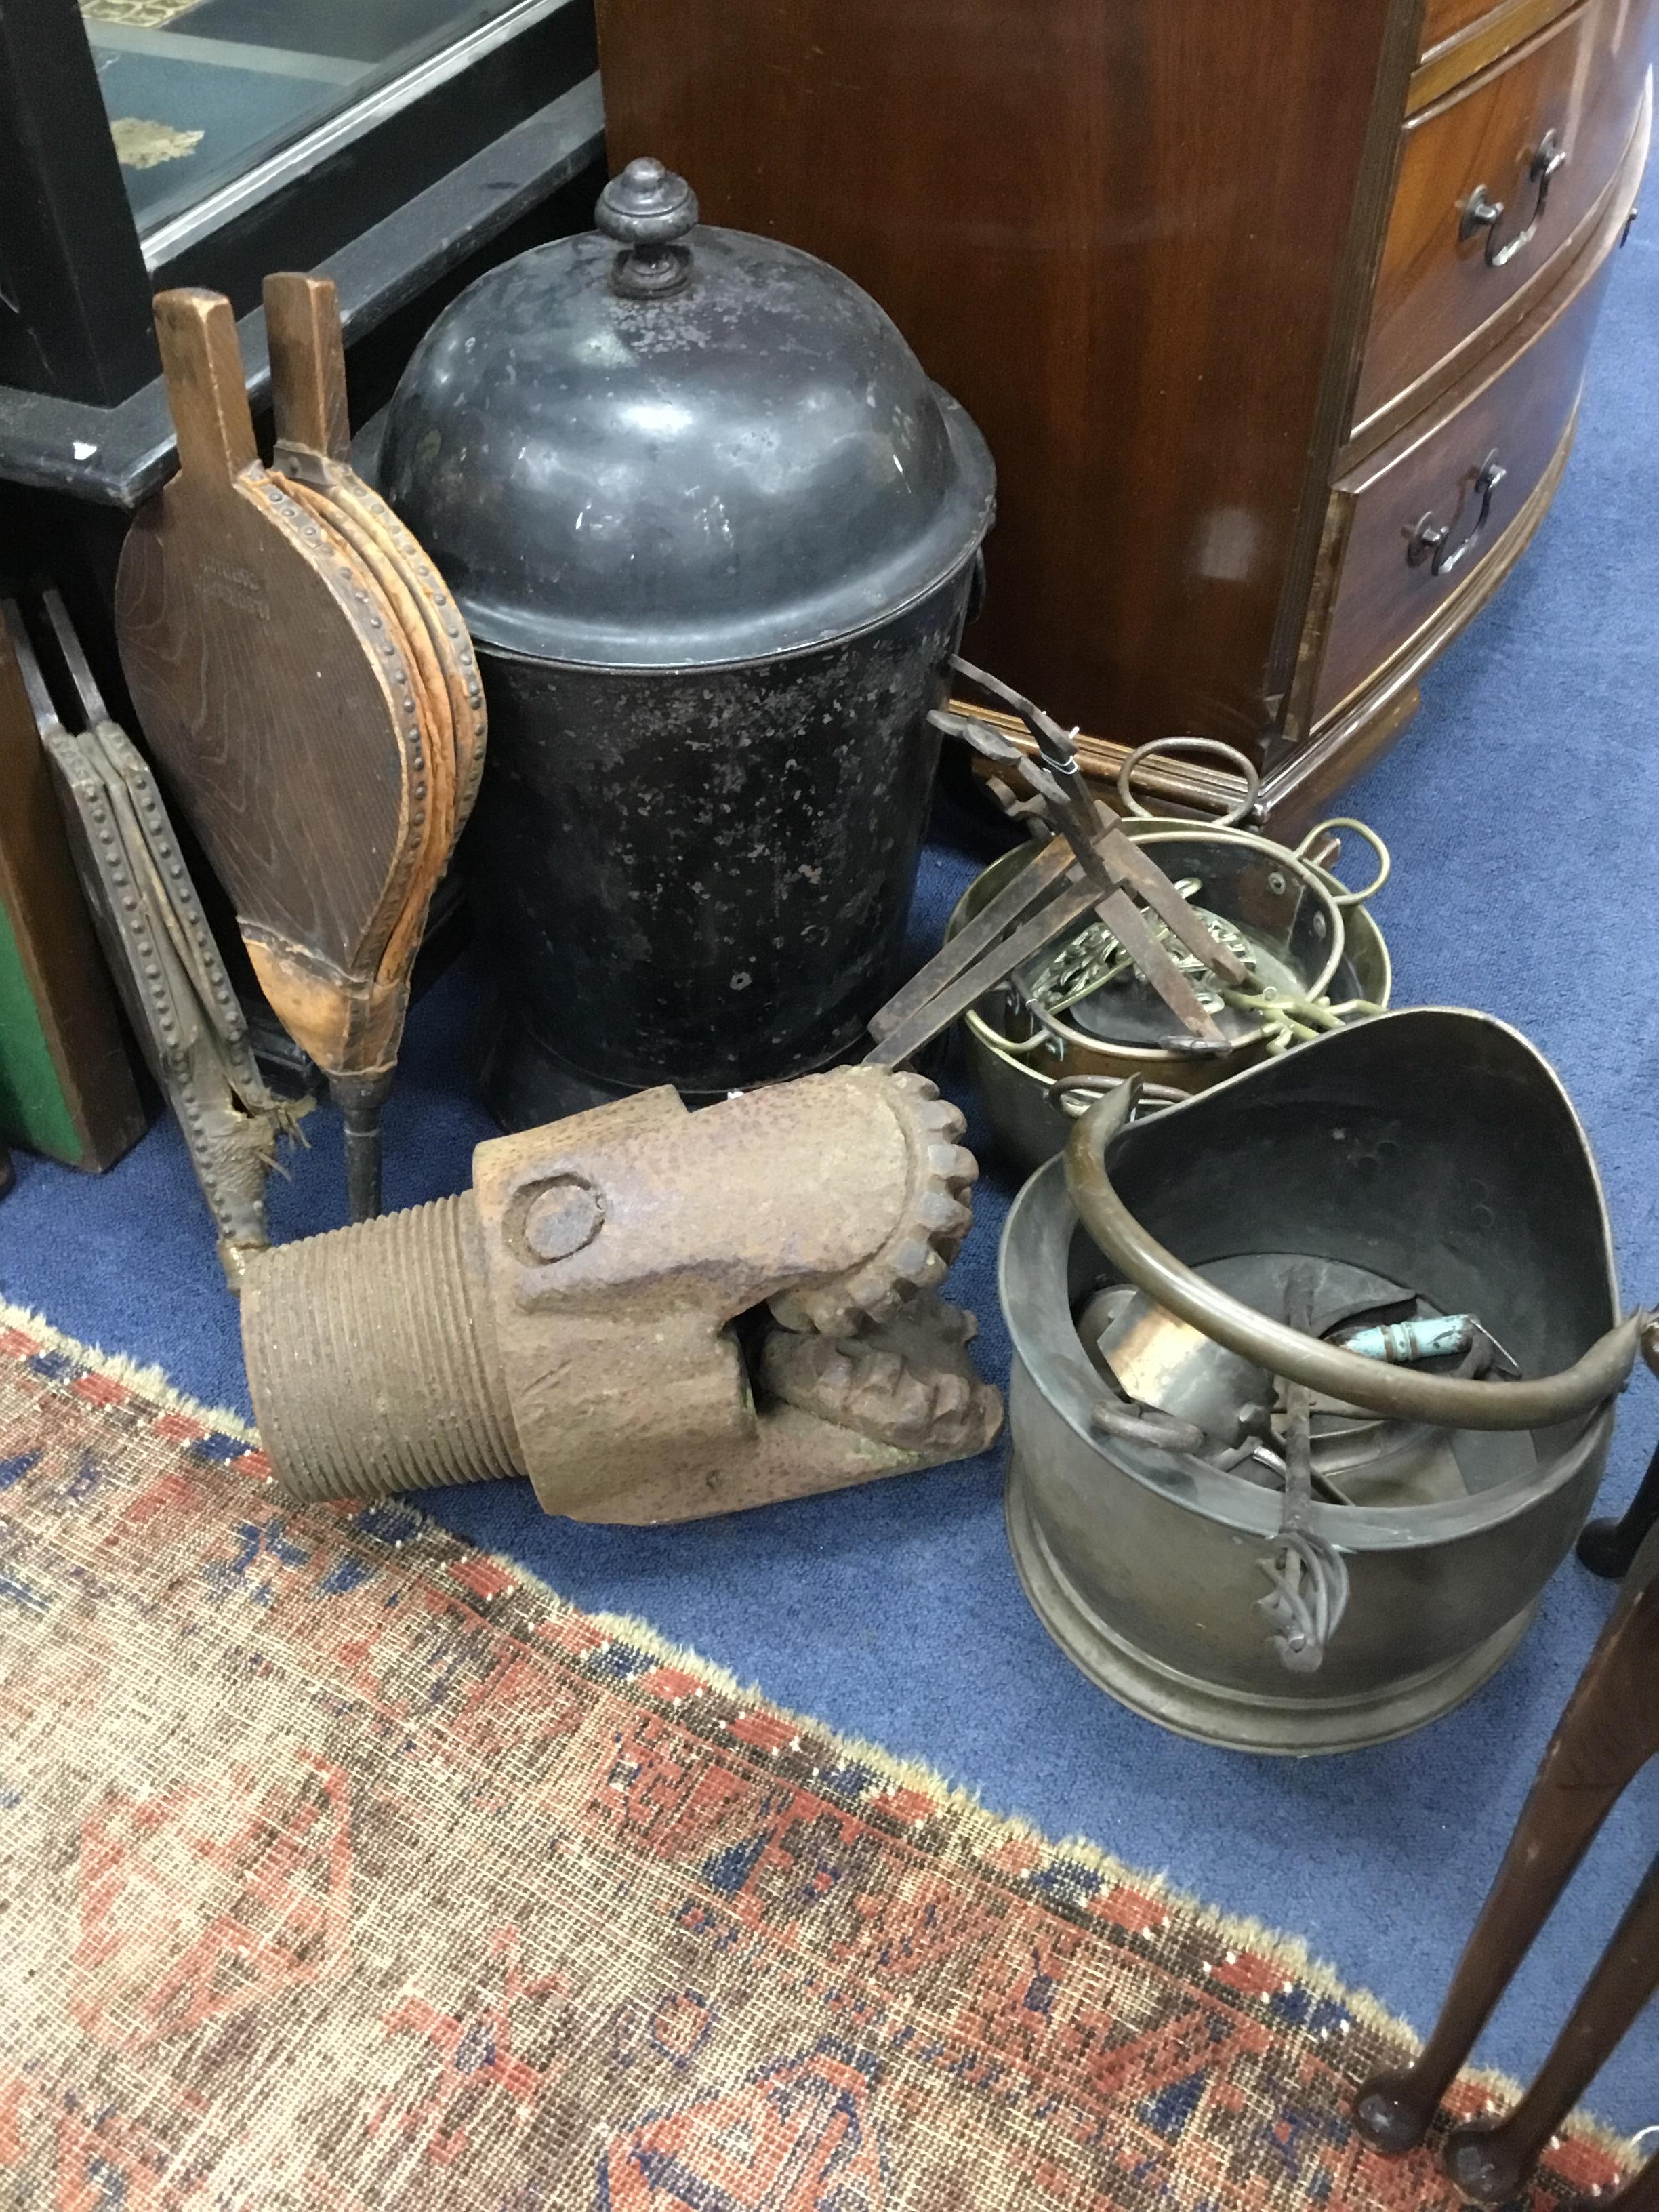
(1447,1401)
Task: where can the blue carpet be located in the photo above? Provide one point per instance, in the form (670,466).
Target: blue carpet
(1523,809)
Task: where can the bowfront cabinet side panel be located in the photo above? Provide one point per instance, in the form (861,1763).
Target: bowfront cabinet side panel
(1447,497)
(1117,231)
(1496,181)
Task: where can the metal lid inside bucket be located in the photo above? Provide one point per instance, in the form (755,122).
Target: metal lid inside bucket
(1314,1379)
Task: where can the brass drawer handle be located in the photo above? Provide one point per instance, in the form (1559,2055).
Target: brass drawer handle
(1431,541)
(1482,212)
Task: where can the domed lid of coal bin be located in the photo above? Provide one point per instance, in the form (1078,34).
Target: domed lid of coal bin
(665,445)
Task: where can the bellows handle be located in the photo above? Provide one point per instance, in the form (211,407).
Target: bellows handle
(201,363)
(307,364)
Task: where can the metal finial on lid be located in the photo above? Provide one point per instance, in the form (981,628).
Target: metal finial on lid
(648,210)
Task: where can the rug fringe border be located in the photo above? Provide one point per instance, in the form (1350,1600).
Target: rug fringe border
(985,1830)
(144,1378)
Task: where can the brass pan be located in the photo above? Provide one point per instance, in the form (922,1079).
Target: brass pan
(1018,1085)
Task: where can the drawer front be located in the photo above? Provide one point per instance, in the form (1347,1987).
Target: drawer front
(1462,37)
(1481,22)
(1538,137)
(1425,514)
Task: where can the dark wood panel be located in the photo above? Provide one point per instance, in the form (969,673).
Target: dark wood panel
(1520,410)
(74,297)
(1116,233)
(1579,84)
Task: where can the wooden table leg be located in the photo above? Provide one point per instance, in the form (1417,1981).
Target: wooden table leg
(1610,1730)
(1606,1547)
(1492,2160)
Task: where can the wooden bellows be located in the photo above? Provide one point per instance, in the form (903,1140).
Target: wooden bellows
(307,685)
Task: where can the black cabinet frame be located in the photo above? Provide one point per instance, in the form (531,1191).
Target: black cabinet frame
(418,183)
(74,290)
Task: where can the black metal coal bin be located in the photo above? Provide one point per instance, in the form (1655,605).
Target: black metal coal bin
(714,532)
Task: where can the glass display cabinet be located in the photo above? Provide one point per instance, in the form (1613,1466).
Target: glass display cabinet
(396,145)
(213,104)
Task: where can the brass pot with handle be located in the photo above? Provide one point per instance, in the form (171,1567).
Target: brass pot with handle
(1314,1381)
(1312,939)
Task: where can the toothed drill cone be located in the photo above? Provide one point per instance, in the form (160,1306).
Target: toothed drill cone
(918,1253)
(907,1382)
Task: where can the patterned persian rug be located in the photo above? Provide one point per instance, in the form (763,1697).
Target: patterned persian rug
(342,1869)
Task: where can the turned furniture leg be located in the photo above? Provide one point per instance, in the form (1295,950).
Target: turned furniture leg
(1610,1730)
(1606,1547)
(1491,2160)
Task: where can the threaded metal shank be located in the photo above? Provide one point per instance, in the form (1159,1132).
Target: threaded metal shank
(372,1360)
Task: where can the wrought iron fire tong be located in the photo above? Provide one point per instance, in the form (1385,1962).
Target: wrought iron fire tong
(1091,864)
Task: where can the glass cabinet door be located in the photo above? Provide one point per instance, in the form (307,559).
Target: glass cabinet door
(150,143)
(200,93)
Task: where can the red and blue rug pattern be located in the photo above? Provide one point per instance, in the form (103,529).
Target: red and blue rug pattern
(344,1867)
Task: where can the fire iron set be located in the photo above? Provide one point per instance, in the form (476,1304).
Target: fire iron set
(1317,1335)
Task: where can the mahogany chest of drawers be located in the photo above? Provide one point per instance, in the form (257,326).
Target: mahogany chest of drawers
(1274,312)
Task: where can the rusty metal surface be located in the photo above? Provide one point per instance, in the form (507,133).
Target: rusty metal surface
(1105,871)
(161,953)
(652,1313)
